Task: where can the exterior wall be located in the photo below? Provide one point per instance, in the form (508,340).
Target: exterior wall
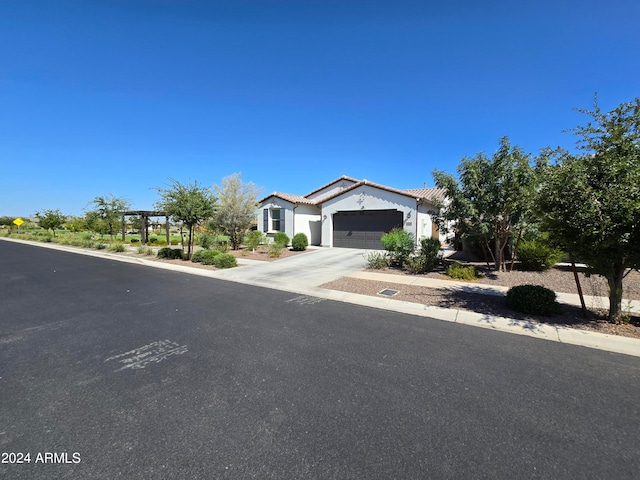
(307,220)
(275,202)
(331,189)
(367,197)
(425,223)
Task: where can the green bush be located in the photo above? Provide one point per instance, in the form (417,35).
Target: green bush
(117,247)
(537,255)
(275,250)
(462,272)
(299,242)
(174,241)
(225,260)
(170,253)
(206,241)
(134,240)
(377,260)
(281,238)
(206,257)
(533,299)
(100,246)
(254,239)
(153,240)
(222,246)
(399,243)
(427,259)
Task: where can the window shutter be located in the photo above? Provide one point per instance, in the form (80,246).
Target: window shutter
(265,220)
(282,210)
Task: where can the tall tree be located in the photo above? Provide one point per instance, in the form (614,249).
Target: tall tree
(190,204)
(590,203)
(51,220)
(105,213)
(492,199)
(236,210)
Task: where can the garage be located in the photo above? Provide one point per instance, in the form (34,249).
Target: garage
(363,228)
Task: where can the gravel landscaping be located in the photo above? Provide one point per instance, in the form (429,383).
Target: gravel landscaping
(559,279)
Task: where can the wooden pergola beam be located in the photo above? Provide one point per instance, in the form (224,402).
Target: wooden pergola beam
(144,231)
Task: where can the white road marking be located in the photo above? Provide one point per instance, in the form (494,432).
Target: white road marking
(154,352)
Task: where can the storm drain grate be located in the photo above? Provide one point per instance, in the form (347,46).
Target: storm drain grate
(387,292)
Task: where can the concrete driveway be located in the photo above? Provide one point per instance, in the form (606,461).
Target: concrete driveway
(303,271)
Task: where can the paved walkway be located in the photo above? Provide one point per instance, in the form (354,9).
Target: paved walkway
(302,274)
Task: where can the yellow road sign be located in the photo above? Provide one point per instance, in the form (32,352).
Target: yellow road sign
(18,221)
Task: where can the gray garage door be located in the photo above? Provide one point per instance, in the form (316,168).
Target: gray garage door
(363,228)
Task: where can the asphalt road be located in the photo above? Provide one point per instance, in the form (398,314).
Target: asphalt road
(125,371)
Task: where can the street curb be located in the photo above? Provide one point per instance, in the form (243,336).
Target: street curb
(600,341)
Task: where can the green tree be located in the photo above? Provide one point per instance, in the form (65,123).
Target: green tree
(105,214)
(236,210)
(590,203)
(190,204)
(76,224)
(51,220)
(492,200)
(7,222)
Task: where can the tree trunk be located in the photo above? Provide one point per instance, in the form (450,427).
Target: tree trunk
(498,255)
(189,242)
(615,293)
(515,250)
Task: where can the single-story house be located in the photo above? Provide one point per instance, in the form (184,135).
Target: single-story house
(350,213)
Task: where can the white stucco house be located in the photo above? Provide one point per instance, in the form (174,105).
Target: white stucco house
(350,213)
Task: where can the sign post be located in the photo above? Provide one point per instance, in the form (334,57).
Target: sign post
(18,221)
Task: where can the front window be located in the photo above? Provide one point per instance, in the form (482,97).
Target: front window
(275,219)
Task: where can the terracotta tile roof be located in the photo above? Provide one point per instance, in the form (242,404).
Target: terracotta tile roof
(290,197)
(343,177)
(427,193)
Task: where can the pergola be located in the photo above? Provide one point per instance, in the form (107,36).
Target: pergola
(144,231)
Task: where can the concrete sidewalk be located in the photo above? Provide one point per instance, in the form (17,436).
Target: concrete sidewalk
(302,275)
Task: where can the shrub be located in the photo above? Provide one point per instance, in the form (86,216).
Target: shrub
(275,250)
(299,242)
(222,246)
(86,244)
(462,272)
(144,250)
(533,299)
(399,243)
(153,240)
(100,246)
(206,241)
(377,260)
(206,257)
(174,241)
(225,260)
(117,247)
(427,259)
(170,253)
(281,238)
(537,255)
(254,239)
(134,240)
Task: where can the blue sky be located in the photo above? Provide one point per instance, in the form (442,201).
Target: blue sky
(117,96)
